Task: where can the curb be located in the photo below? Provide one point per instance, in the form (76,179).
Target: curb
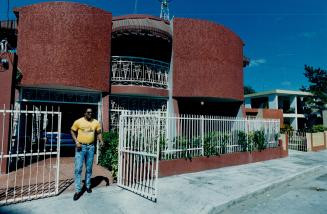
(279,183)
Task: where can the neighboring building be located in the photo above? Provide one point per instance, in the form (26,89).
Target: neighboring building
(290,102)
(72,55)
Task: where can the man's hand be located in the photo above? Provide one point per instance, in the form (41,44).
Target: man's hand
(78,145)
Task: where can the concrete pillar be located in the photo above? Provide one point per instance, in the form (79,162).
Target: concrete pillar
(241,111)
(273,101)
(293,103)
(294,123)
(6,99)
(324,117)
(247,102)
(105,113)
(309,141)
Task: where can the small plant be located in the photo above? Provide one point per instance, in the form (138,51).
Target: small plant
(108,157)
(286,128)
(259,140)
(242,141)
(318,128)
(208,147)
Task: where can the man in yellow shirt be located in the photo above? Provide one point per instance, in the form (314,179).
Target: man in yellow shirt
(88,130)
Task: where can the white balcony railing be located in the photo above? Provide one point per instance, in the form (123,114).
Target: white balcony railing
(139,71)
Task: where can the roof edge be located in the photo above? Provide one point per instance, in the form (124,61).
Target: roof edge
(138,16)
(279,91)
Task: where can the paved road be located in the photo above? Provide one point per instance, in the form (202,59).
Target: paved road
(250,187)
(305,196)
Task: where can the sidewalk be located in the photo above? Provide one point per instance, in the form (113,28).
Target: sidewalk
(204,192)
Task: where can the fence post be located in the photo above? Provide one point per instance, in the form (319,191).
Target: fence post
(309,141)
(202,134)
(58,152)
(247,133)
(157,157)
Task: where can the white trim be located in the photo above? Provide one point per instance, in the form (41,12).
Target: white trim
(293,115)
(278,91)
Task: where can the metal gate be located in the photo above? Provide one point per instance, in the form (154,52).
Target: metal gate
(139,136)
(297,141)
(30,153)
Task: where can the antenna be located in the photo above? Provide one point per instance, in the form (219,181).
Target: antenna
(164,13)
(135,6)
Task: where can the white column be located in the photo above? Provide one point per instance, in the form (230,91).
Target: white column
(294,123)
(273,101)
(293,103)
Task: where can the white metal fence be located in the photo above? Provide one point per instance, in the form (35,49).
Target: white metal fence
(146,137)
(29,155)
(297,141)
(189,136)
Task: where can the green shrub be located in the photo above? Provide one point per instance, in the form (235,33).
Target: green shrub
(108,156)
(286,128)
(242,141)
(318,128)
(259,140)
(250,139)
(208,147)
(215,143)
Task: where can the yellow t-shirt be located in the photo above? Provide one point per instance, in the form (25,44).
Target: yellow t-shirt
(86,130)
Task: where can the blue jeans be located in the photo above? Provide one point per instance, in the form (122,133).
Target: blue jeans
(85,153)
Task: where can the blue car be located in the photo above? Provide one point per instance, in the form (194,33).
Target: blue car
(51,138)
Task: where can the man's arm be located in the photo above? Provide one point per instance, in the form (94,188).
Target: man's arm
(99,136)
(75,138)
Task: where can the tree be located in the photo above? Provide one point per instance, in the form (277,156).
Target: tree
(248,90)
(314,105)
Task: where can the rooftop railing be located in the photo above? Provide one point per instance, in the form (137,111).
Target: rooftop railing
(126,70)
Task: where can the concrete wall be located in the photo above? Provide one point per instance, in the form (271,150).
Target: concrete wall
(316,141)
(273,101)
(180,166)
(309,141)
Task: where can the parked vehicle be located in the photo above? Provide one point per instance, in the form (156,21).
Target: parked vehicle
(51,139)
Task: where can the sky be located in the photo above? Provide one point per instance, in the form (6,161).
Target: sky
(280,36)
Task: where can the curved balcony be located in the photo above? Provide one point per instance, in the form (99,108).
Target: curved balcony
(126,70)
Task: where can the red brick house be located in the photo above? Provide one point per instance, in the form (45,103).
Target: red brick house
(73,55)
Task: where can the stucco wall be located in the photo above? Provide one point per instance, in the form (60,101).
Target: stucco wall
(318,139)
